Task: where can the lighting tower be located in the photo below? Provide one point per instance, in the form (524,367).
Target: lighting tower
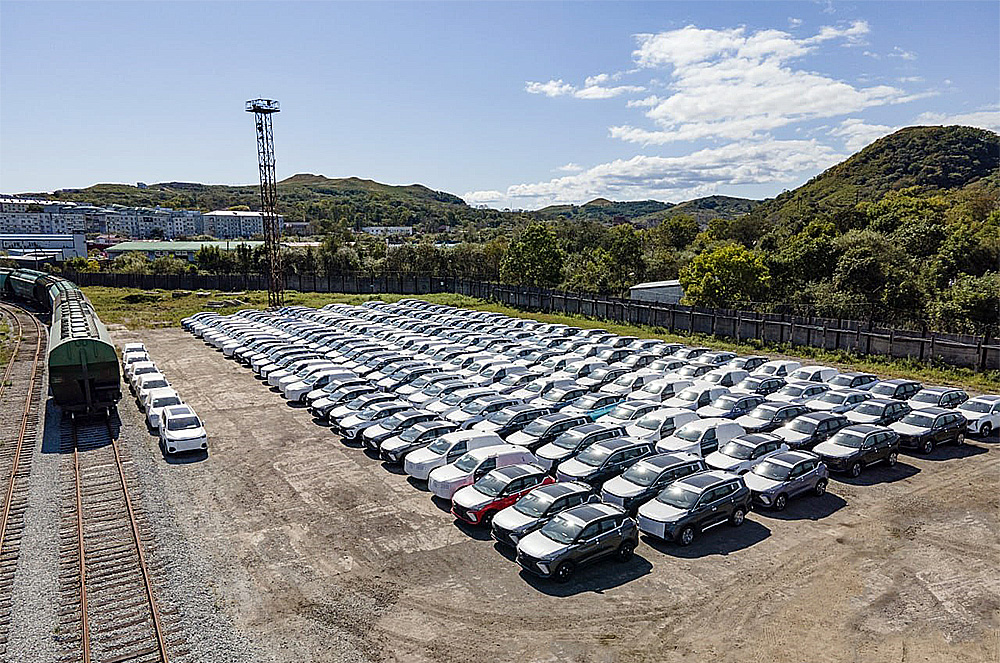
(262,110)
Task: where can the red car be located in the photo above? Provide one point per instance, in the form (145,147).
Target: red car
(478,503)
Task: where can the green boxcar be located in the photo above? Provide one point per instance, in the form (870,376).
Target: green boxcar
(84,374)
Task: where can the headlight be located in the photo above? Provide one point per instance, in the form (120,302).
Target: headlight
(765,499)
(544,567)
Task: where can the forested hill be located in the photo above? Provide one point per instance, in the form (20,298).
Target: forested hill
(933,159)
(651,212)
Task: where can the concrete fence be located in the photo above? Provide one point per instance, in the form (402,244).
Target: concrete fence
(978,352)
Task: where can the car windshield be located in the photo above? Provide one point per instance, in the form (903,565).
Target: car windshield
(562,530)
(765,412)
(623,412)
(393,421)
(925,397)
(474,407)
(439,446)
(501,417)
(841,380)
(689,395)
(770,470)
(591,402)
(555,396)
(848,439)
(792,390)
(751,383)
(650,422)
(714,378)
(600,374)
(453,398)
(642,474)
(183,423)
(919,420)
(164,401)
(653,388)
(625,380)
(870,408)
(594,455)
(155,384)
(800,425)
(688,434)
(975,406)
(534,504)
(551,362)
(737,451)
(836,399)
(370,414)
(884,389)
(489,371)
(433,389)
(677,496)
(467,463)
(410,434)
(725,402)
(491,485)
(570,440)
(511,380)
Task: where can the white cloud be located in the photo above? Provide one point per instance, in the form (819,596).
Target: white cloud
(570,168)
(592,88)
(911,79)
(898,52)
(988,118)
(483,197)
(696,174)
(794,22)
(857,134)
(733,83)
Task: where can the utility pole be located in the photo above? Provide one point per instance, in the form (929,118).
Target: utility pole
(262,110)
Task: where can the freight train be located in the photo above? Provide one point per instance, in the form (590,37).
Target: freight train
(84,372)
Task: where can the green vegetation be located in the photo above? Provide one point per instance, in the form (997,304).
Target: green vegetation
(6,343)
(137,309)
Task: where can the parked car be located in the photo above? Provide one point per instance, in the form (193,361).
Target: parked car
(697,395)
(759,384)
(626,413)
(700,437)
(785,475)
(355,406)
(545,429)
(725,377)
(594,405)
(473,412)
(838,401)
(445,481)
(511,419)
(946,397)
(560,397)
(576,537)
(742,453)
(394,425)
(878,411)
(417,436)
(855,447)
(644,480)
(799,392)
(181,430)
(352,426)
(603,460)
(779,368)
(575,440)
(695,504)
(137,369)
(660,390)
(625,384)
(660,423)
(862,381)
(538,507)
(982,413)
(925,429)
(146,383)
(446,449)
(768,416)
(159,399)
(438,391)
(808,430)
(717,358)
(751,363)
(693,371)
(730,406)
(496,490)
(900,390)
(813,374)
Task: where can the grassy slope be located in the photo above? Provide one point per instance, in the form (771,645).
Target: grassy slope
(167,310)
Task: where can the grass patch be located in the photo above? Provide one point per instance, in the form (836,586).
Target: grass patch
(6,343)
(167,308)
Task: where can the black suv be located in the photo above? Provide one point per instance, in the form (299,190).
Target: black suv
(925,429)
(808,430)
(511,419)
(578,536)
(768,416)
(545,429)
(694,504)
(641,482)
(900,390)
(878,412)
(764,385)
(603,460)
(537,508)
(854,447)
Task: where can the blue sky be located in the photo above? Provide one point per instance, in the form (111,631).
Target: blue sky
(506,104)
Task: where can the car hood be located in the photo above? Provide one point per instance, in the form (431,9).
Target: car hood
(485,426)
(513,520)
(296,386)
(470,498)
(749,422)
(709,411)
(353,420)
(315,394)
(908,430)
(539,546)
(447,474)
(721,461)
(760,484)
(394,443)
(833,450)
(184,434)
(635,430)
(858,418)
(790,435)
(664,513)
(574,468)
(673,444)
(677,402)
(460,415)
(520,437)
(552,452)
(615,389)
(622,487)
(375,431)
(822,406)
(322,402)
(423,456)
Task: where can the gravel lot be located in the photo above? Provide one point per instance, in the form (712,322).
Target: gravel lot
(307,549)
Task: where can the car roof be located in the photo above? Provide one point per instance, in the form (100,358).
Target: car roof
(661,461)
(588,513)
(987,398)
(820,416)
(899,381)
(708,422)
(519,470)
(616,443)
(791,458)
(707,479)
(864,428)
(757,439)
(939,390)
(178,410)
(564,488)
(932,410)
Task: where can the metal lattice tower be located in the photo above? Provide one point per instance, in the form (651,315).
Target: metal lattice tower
(262,110)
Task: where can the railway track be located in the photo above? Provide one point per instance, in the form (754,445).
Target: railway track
(22,392)
(109,612)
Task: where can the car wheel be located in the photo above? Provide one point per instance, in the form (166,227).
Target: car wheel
(780,502)
(686,536)
(625,551)
(855,470)
(986,430)
(960,440)
(739,515)
(927,446)
(820,488)
(891,460)
(564,572)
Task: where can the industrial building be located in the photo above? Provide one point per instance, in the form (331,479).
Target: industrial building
(182,250)
(662,292)
(40,247)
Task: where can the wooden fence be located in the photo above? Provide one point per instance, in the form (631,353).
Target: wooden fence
(979,352)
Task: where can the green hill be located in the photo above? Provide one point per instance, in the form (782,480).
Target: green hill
(714,207)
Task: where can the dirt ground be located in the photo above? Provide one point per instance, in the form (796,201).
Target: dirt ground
(325,554)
